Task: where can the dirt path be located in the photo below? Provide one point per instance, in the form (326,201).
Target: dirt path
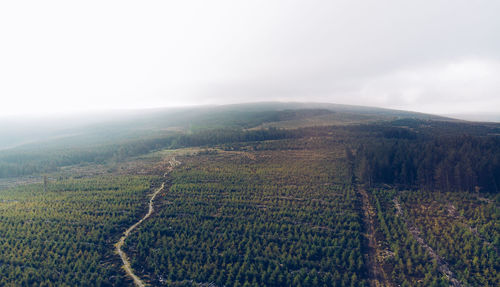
(415,232)
(376,274)
(118,246)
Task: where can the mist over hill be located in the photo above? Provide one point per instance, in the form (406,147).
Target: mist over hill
(478,117)
(33,145)
(105,126)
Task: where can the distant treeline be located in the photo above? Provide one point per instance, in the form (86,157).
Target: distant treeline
(27,162)
(411,155)
(446,163)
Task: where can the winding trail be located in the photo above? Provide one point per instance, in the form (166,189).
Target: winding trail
(118,246)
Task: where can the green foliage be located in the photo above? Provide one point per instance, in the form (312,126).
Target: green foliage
(65,236)
(275,220)
(405,261)
(452,163)
(25,162)
(472,254)
(264,207)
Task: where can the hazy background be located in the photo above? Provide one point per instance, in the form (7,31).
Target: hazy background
(437,57)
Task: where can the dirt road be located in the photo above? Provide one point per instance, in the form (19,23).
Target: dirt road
(118,246)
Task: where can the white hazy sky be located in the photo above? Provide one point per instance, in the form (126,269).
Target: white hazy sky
(431,56)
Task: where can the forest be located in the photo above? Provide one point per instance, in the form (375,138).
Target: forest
(458,163)
(22,162)
(394,203)
(60,236)
(273,218)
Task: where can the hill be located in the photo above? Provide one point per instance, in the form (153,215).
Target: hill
(266,194)
(115,125)
(40,145)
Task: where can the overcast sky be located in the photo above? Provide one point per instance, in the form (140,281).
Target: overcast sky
(430,56)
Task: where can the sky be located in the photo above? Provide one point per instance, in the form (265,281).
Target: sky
(436,56)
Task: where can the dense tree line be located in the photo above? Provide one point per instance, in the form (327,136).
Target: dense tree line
(26,162)
(461,163)
(221,136)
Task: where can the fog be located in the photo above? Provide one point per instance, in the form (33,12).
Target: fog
(64,57)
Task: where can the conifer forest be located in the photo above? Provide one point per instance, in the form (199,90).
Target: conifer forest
(281,198)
